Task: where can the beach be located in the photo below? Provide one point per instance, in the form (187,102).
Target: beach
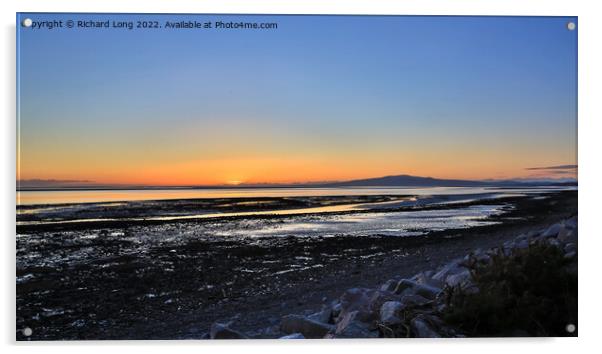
(171,279)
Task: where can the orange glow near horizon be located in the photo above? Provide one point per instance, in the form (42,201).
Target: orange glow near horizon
(254,170)
(320,99)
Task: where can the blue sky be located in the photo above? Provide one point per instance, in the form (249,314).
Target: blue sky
(333,97)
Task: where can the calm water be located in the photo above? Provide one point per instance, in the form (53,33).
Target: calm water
(95,196)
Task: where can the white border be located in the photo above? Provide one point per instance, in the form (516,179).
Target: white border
(590,23)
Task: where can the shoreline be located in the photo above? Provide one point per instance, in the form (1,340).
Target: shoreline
(153,303)
(288,207)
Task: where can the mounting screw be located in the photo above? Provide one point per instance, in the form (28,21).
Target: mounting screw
(571,26)
(570,328)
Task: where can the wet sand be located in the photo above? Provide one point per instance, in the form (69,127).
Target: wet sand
(175,290)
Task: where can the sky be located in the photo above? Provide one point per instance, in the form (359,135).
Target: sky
(320,98)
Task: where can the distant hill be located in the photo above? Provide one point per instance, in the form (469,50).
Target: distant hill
(416,181)
(387,181)
(408,181)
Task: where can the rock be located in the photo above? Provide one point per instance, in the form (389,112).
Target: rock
(571,223)
(522,244)
(356,299)
(483,258)
(566,235)
(293,336)
(422,329)
(366,301)
(429,292)
(459,279)
(522,237)
(570,247)
(300,324)
(389,311)
(389,285)
(425,278)
(351,326)
(413,300)
(404,284)
(441,307)
(222,331)
(336,308)
(271,331)
(451,268)
(552,231)
(553,242)
(407,286)
(570,255)
(377,299)
(478,256)
(323,316)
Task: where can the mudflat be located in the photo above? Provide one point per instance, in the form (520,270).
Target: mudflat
(161,280)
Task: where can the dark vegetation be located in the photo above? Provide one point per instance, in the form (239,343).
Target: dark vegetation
(529,292)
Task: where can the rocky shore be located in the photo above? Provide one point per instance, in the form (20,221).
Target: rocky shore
(414,306)
(174,280)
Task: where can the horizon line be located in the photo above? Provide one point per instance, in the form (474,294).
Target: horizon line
(57,184)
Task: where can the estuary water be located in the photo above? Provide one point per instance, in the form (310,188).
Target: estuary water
(44,197)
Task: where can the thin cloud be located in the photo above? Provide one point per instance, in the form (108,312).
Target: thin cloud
(36,182)
(551,168)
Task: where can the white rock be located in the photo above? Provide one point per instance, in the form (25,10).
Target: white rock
(356,299)
(413,300)
(389,285)
(552,231)
(522,244)
(222,331)
(366,301)
(459,279)
(404,284)
(350,326)
(425,278)
(570,247)
(571,223)
(451,268)
(553,242)
(293,336)
(407,286)
(483,258)
(336,308)
(389,311)
(309,328)
(429,292)
(323,316)
(566,235)
(422,329)
(522,237)
(509,244)
(570,255)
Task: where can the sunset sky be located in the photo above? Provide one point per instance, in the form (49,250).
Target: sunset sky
(319,99)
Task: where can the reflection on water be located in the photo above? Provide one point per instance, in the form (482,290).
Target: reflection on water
(344,200)
(407,223)
(324,209)
(96,196)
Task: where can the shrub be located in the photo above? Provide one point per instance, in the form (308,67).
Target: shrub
(529,292)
